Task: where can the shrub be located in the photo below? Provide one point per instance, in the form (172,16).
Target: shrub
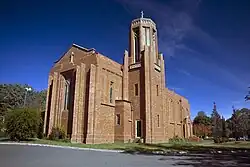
(40,133)
(57,134)
(218,140)
(193,139)
(177,139)
(221,140)
(2,129)
(22,123)
(225,139)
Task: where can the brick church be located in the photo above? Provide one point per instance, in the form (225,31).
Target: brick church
(97,100)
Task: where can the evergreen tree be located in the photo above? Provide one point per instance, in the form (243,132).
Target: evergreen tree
(216,124)
(224,128)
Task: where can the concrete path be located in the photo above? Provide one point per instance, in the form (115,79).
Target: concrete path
(22,155)
(36,156)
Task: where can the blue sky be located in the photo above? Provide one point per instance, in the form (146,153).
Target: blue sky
(206,43)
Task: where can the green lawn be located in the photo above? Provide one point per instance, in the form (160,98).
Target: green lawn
(135,147)
(132,147)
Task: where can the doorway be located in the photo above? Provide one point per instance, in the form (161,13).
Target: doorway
(138,133)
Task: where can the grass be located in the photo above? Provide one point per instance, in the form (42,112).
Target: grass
(149,148)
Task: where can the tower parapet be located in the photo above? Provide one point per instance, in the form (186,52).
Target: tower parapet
(143,33)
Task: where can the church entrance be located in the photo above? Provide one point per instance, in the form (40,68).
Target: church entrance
(138,133)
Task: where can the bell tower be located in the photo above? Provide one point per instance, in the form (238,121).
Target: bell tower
(146,81)
(143,33)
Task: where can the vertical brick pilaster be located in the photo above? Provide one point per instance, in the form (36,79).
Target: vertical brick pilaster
(47,103)
(125,77)
(81,109)
(53,102)
(97,102)
(91,105)
(76,103)
(78,113)
(147,88)
(60,100)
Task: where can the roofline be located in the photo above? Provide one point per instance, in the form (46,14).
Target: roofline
(82,48)
(77,46)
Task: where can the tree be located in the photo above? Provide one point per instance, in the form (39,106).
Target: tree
(13,96)
(239,123)
(22,124)
(201,130)
(202,124)
(216,123)
(224,127)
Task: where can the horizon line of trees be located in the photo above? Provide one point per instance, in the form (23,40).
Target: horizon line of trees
(216,126)
(16,96)
(22,111)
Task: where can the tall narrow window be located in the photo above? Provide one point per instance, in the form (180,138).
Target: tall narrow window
(118,119)
(136,90)
(66,94)
(147,36)
(111,92)
(157,90)
(154,46)
(158,120)
(136,45)
(72,57)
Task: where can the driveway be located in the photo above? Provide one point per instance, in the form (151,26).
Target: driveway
(36,156)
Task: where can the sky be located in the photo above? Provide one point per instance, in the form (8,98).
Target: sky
(206,43)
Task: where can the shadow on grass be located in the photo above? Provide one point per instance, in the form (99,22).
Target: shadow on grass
(196,156)
(211,160)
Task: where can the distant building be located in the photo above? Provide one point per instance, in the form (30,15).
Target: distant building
(97,100)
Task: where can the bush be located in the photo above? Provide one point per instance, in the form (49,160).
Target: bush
(2,129)
(193,139)
(177,139)
(22,124)
(57,134)
(40,133)
(221,140)
(225,139)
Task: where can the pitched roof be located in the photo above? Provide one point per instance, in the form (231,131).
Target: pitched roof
(77,46)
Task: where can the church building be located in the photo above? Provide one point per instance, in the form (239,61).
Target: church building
(97,100)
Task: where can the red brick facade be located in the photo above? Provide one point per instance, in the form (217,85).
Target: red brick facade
(97,100)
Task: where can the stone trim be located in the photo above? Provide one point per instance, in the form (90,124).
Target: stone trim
(157,67)
(112,72)
(109,105)
(134,66)
(123,101)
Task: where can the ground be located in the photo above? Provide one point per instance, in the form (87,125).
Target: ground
(30,156)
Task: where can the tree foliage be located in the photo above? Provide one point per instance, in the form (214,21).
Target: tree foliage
(202,125)
(202,130)
(239,123)
(202,118)
(216,124)
(22,124)
(13,96)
